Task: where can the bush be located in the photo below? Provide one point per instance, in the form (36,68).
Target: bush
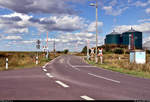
(84,50)
(118,51)
(66,51)
(148,51)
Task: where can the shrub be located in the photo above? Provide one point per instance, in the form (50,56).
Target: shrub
(66,51)
(118,51)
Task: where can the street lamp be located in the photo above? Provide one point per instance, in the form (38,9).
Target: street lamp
(96,5)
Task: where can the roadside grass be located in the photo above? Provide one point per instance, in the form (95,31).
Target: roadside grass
(19,60)
(111,62)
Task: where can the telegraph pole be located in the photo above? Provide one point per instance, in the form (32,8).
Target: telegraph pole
(96,31)
(96,5)
(47,47)
(54,49)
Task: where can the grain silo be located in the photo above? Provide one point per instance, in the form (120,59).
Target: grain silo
(113,38)
(137,38)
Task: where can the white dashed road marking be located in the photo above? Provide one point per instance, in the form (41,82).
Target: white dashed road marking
(104,78)
(45,70)
(86,98)
(62,84)
(77,69)
(49,75)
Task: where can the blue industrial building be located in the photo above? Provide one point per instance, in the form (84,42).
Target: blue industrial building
(123,39)
(113,38)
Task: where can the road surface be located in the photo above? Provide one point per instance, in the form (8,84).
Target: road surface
(68,77)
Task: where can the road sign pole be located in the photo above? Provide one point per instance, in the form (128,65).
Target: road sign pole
(88,50)
(101,55)
(38,47)
(37,59)
(6,63)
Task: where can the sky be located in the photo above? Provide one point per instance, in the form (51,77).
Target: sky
(71,23)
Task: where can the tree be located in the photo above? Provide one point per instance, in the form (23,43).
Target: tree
(84,50)
(66,51)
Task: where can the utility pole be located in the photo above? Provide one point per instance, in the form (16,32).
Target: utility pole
(47,47)
(96,5)
(54,49)
(96,31)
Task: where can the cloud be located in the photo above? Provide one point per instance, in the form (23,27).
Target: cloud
(143,20)
(115,12)
(13,38)
(113,2)
(14,23)
(141,4)
(92,26)
(65,23)
(114,7)
(146,42)
(11,18)
(38,6)
(147,10)
(74,41)
(17,23)
(28,41)
(143,27)
(129,1)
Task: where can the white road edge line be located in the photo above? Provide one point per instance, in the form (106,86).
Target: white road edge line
(62,84)
(68,61)
(86,97)
(84,66)
(77,69)
(49,75)
(45,70)
(104,78)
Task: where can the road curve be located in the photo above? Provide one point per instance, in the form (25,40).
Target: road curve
(68,77)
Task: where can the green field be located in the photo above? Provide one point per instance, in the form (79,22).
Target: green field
(18,60)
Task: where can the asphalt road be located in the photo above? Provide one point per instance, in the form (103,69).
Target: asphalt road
(68,77)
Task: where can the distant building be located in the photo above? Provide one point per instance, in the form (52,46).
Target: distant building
(123,39)
(113,38)
(137,38)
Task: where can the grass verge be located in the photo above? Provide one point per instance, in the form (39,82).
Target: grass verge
(20,60)
(136,73)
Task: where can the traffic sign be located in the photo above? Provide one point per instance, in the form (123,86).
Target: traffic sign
(38,42)
(38,46)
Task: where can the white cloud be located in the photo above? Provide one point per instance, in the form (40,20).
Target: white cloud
(74,41)
(146,42)
(28,42)
(147,10)
(143,27)
(141,4)
(14,23)
(13,37)
(17,23)
(112,11)
(113,2)
(22,16)
(92,26)
(143,20)
(129,1)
